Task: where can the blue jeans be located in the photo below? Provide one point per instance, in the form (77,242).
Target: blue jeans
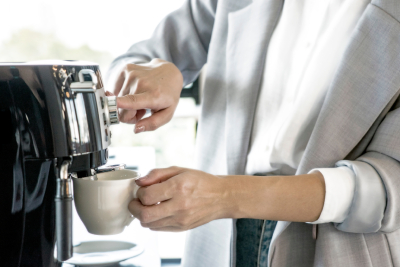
(253,238)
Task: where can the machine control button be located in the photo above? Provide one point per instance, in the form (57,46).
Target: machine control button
(112,109)
(104,119)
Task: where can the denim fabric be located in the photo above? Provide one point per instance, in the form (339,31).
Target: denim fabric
(249,233)
(269,229)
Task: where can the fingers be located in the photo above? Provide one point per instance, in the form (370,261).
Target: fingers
(155,193)
(155,86)
(170,225)
(164,224)
(155,121)
(125,78)
(131,116)
(160,217)
(173,224)
(127,115)
(140,114)
(148,214)
(159,175)
(168,229)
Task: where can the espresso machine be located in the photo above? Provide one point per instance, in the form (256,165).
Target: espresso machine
(56,121)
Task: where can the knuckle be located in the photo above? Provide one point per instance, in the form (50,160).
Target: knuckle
(146,199)
(181,187)
(131,70)
(184,187)
(185,205)
(175,168)
(131,75)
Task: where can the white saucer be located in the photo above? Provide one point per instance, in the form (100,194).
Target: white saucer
(103,253)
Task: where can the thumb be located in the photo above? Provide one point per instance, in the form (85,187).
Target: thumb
(159,175)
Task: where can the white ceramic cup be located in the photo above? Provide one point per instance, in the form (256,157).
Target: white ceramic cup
(102,204)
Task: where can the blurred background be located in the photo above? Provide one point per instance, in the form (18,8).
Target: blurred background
(99,31)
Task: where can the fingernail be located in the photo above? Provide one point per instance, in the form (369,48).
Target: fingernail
(139,129)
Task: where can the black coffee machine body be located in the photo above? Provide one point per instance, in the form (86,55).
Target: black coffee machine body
(55,120)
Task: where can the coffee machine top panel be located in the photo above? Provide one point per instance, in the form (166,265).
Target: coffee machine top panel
(50,63)
(59,107)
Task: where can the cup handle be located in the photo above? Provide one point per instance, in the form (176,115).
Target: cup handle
(135,189)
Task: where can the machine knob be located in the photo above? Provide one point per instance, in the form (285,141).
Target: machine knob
(112,109)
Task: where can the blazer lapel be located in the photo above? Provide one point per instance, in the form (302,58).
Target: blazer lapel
(249,32)
(367,79)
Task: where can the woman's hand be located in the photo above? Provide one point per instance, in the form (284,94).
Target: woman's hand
(156,86)
(178,199)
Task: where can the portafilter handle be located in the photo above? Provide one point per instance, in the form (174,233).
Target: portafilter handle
(63,203)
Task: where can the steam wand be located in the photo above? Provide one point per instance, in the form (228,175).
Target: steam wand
(63,201)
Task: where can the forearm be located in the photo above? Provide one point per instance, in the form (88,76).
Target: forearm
(297,198)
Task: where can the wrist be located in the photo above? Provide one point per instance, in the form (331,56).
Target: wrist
(227,202)
(237,195)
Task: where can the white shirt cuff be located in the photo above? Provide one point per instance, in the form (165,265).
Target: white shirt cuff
(339,193)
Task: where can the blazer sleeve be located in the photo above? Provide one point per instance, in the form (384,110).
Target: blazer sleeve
(182,37)
(376,203)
